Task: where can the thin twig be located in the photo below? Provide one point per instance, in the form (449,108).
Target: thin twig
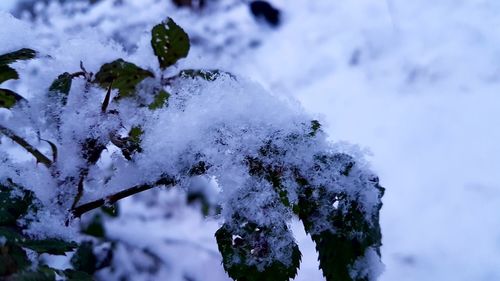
(92,151)
(40,157)
(52,146)
(105,103)
(111,199)
(80,188)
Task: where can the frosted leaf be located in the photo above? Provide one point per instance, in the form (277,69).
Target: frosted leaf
(170,43)
(367,267)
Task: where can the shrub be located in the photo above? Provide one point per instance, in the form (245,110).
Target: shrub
(162,131)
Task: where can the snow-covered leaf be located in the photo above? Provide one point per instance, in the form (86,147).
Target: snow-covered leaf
(121,75)
(22,54)
(160,100)
(7,73)
(84,258)
(170,43)
(62,86)
(9,98)
(247,252)
(350,232)
(75,275)
(14,203)
(50,246)
(41,273)
(96,227)
(208,75)
(13,259)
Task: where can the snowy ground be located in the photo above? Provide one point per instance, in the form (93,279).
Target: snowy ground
(6,4)
(417,84)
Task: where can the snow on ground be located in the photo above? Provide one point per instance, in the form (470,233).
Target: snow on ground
(6,5)
(417,84)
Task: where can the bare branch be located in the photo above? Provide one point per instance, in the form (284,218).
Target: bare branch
(111,199)
(40,157)
(105,103)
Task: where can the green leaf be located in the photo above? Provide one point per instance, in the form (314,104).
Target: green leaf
(160,100)
(50,246)
(131,144)
(14,203)
(352,232)
(339,250)
(246,250)
(84,259)
(12,259)
(272,174)
(121,75)
(135,134)
(11,234)
(9,98)
(170,43)
(61,86)
(7,73)
(95,227)
(42,273)
(315,127)
(22,54)
(74,275)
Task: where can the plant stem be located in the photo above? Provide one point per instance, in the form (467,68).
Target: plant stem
(113,198)
(105,103)
(40,157)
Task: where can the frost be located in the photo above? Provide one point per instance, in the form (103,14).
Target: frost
(50,223)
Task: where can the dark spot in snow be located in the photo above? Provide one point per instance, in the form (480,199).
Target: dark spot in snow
(355,58)
(264,10)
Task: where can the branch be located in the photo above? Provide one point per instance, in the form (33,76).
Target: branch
(105,103)
(92,150)
(111,199)
(31,149)
(80,188)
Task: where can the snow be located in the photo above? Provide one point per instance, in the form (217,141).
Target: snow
(7,5)
(415,83)
(18,34)
(183,250)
